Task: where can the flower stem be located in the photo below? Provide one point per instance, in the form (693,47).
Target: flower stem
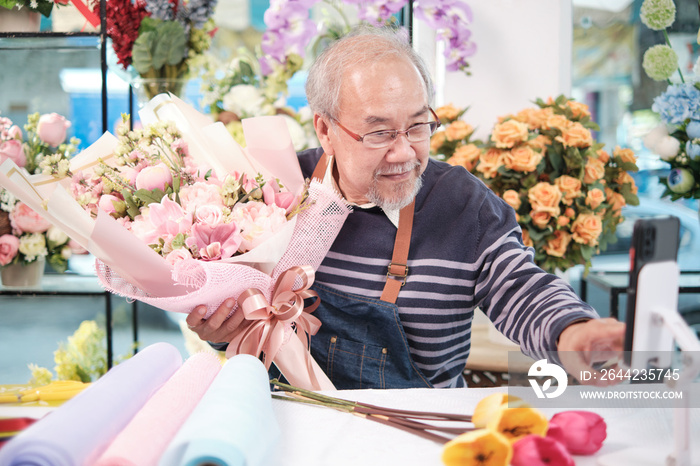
(668,42)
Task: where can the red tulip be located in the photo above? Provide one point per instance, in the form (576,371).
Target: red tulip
(533,450)
(582,432)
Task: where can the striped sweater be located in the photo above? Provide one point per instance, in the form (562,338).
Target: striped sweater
(466,252)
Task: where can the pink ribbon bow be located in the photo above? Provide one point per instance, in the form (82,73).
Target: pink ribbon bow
(266,331)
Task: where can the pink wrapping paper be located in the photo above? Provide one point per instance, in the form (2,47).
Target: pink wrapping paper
(146,437)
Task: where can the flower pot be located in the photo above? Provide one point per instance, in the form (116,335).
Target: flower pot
(23,276)
(147,88)
(19,20)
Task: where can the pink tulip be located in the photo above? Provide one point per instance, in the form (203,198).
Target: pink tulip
(107,201)
(582,432)
(9,245)
(26,220)
(52,128)
(155,177)
(533,450)
(13,150)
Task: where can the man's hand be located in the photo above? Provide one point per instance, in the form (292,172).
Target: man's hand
(219,327)
(584,343)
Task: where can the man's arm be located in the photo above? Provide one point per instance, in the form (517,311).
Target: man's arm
(582,344)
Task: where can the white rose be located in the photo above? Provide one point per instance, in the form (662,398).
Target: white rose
(244,100)
(654,137)
(56,236)
(33,245)
(667,148)
(66,253)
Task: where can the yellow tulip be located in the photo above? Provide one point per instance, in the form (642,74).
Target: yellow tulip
(489,406)
(515,423)
(481,447)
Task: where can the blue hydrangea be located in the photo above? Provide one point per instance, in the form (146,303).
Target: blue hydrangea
(679,103)
(160,9)
(197,12)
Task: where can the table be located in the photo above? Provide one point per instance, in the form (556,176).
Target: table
(615,283)
(68,284)
(318,437)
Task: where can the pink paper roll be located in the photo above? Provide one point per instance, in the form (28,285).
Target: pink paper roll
(144,440)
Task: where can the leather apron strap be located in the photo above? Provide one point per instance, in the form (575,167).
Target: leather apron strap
(398,267)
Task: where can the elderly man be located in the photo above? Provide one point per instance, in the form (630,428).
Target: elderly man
(426,242)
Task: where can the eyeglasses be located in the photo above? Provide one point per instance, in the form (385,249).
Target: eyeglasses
(380,139)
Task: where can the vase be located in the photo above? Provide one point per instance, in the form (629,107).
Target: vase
(147,88)
(23,276)
(19,20)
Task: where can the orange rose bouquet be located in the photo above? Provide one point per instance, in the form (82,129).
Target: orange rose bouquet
(453,141)
(567,191)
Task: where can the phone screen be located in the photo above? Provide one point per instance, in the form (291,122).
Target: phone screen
(653,240)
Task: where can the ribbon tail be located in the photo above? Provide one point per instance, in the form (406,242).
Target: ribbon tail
(86,12)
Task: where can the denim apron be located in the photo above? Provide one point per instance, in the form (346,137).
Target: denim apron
(361,342)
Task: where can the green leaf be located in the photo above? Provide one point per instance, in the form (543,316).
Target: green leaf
(556,160)
(132,205)
(142,52)
(149,196)
(170,44)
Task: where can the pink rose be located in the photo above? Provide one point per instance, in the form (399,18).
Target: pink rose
(178,255)
(14,151)
(533,450)
(9,245)
(209,215)
(581,432)
(26,220)
(258,222)
(52,128)
(76,248)
(199,194)
(155,177)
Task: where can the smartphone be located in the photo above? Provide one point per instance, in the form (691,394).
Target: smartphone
(653,240)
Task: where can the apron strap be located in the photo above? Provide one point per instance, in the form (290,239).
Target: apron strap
(321,166)
(398,267)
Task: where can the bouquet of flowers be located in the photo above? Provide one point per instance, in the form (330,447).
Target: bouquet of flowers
(677,139)
(24,235)
(160,39)
(243,91)
(178,215)
(40,6)
(567,191)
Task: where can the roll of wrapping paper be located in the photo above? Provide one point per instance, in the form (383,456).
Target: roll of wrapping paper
(233,424)
(143,441)
(81,429)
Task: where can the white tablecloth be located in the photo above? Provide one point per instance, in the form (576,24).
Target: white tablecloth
(315,436)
